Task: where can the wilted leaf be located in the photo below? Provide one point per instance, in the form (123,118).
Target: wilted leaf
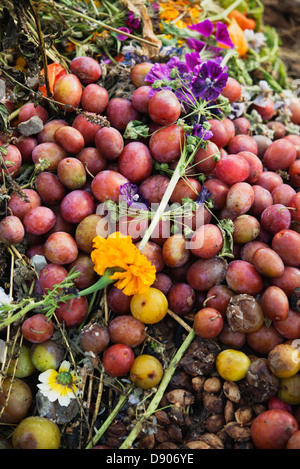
(136,130)
(138,7)
(3,118)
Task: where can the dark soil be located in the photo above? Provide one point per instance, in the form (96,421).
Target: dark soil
(285,17)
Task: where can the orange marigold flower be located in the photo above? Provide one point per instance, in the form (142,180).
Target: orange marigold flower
(169,14)
(134,272)
(194,13)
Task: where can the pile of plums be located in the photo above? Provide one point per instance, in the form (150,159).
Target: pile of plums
(245,302)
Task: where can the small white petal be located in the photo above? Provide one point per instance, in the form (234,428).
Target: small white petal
(4,298)
(43,387)
(45,376)
(64,400)
(65,366)
(53,396)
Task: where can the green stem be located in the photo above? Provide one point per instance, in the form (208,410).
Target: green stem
(94,8)
(231,53)
(103,282)
(127,444)
(272,82)
(109,420)
(15,113)
(162,206)
(226,12)
(17,316)
(110,7)
(109,54)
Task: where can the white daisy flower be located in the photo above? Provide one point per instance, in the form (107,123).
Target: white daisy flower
(58,385)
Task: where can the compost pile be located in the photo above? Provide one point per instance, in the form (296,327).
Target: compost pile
(150,225)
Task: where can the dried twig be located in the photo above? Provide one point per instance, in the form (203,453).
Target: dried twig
(98,403)
(127,444)
(110,419)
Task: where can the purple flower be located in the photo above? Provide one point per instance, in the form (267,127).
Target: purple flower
(192,60)
(153,91)
(105,59)
(203,196)
(195,44)
(122,37)
(210,81)
(173,62)
(186,69)
(158,72)
(198,46)
(185,97)
(132,21)
(155,7)
(131,196)
(161,72)
(222,35)
(200,132)
(218,60)
(205,28)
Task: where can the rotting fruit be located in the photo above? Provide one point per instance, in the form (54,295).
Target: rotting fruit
(47,355)
(146,371)
(36,433)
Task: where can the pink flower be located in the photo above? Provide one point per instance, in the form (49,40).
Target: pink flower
(132,20)
(206,29)
(123,37)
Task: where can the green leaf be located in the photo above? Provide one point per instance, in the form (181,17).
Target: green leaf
(188,203)
(188,232)
(237,68)
(227,228)
(136,130)
(169,42)
(4,113)
(3,150)
(201,178)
